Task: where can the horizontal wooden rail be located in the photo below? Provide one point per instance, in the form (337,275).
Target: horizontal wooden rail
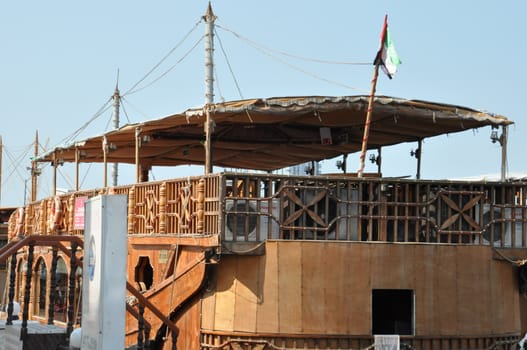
(256,207)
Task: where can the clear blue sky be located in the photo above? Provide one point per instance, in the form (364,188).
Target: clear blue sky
(60,59)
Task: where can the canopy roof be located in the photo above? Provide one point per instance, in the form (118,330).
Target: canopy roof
(273,133)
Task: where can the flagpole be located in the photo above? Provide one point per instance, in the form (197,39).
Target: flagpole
(376,63)
(368,120)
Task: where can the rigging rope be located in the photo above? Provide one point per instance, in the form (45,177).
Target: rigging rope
(131,90)
(76,133)
(133,107)
(217,80)
(125,112)
(229,65)
(167,71)
(301,70)
(283,53)
(85,175)
(16,162)
(107,104)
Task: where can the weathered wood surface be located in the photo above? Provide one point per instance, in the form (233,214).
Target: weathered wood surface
(169,294)
(325,288)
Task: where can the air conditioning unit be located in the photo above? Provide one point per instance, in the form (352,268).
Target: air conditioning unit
(340,214)
(251,220)
(502,229)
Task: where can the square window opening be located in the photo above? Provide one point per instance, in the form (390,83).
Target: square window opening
(393,311)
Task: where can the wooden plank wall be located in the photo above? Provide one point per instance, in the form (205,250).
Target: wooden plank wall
(325,288)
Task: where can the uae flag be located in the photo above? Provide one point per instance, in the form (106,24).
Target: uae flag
(387,57)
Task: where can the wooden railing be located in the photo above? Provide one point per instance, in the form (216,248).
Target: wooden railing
(221,340)
(258,207)
(255,207)
(165,207)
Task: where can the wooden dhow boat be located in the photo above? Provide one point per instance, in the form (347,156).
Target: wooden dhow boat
(255,259)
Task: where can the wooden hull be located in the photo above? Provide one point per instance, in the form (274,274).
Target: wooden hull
(226,268)
(320,290)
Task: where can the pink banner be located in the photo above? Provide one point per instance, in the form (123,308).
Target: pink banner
(78,214)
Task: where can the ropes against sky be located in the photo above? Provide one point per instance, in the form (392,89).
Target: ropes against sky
(270,53)
(266,50)
(107,104)
(77,132)
(164,73)
(228,65)
(131,90)
(283,53)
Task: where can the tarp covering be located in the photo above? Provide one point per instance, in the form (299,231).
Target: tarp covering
(273,133)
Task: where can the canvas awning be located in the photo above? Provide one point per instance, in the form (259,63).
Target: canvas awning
(273,133)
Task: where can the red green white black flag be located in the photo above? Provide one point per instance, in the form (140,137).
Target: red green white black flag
(387,57)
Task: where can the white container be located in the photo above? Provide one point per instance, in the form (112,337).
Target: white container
(104,273)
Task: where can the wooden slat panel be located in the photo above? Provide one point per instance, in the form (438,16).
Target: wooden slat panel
(425,286)
(188,325)
(359,281)
(445,306)
(337,289)
(472,282)
(289,293)
(208,305)
(246,294)
(325,288)
(504,294)
(268,312)
(523,312)
(392,268)
(225,294)
(314,284)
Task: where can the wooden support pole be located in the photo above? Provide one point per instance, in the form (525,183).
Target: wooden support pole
(366,134)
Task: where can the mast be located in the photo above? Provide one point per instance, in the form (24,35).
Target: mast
(34,171)
(209,19)
(116,105)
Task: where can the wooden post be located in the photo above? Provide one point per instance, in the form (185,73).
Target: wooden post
(53,286)
(503,152)
(27,292)
(376,63)
(418,155)
(105,160)
(137,145)
(200,207)
(71,288)
(131,209)
(11,292)
(77,157)
(54,173)
(163,208)
(379,161)
(366,134)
